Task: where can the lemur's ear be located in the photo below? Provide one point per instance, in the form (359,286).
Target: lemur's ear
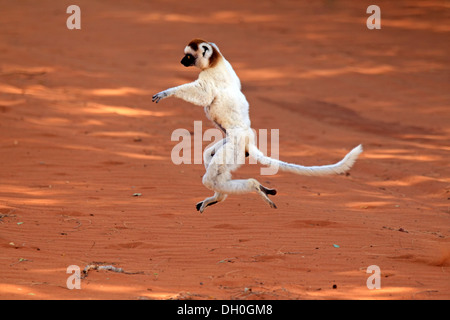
(206,50)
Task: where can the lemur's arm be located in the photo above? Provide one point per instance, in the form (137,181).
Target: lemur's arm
(193,92)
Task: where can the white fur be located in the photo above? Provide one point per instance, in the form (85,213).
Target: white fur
(218,90)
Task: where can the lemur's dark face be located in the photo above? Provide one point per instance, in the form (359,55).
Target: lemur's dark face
(188,60)
(200,53)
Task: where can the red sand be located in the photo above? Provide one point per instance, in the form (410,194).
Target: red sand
(79,136)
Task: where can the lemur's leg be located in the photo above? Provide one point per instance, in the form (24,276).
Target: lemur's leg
(218,197)
(218,174)
(192,92)
(209,153)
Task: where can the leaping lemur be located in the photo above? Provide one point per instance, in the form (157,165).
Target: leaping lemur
(218,90)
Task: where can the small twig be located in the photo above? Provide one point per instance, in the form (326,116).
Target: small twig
(424,291)
(7,215)
(229,272)
(76,220)
(288,252)
(20,260)
(227,260)
(110,267)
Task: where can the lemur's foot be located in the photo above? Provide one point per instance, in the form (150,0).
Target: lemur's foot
(271,203)
(264,192)
(203,204)
(267,190)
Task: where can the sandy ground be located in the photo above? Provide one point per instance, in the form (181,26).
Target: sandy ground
(79,136)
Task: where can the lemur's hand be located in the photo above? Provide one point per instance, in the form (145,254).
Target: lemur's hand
(159,96)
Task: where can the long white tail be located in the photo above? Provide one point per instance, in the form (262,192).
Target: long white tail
(337,168)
